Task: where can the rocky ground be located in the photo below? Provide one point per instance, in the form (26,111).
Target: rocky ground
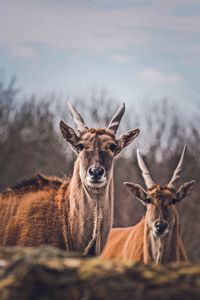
(47,273)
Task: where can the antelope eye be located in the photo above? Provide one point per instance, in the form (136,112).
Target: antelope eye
(173,201)
(148,200)
(80,147)
(112,147)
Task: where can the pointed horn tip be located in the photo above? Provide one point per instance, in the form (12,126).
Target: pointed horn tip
(68,103)
(184,148)
(70,106)
(123,106)
(184,151)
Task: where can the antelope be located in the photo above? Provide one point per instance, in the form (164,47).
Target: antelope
(74,213)
(157,236)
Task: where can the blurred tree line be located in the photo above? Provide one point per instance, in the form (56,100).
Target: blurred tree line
(30,142)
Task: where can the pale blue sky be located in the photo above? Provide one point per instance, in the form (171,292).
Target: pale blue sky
(132,48)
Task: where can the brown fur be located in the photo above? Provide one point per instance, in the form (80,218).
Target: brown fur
(38,210)
(29,213)
(66,213)
(98,131)
(135,243)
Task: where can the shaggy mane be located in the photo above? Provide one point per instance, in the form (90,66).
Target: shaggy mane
(36,183)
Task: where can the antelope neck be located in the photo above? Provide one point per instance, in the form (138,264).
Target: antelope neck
(91,215)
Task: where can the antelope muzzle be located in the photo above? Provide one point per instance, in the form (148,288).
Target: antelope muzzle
(96,175)
(160,227)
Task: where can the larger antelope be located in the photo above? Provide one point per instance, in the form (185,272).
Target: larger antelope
(73,214)
(156,238)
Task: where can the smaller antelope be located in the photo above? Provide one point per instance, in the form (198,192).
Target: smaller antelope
(156,238)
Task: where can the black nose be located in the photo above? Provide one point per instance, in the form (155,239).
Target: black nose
(96,173)
(160,226)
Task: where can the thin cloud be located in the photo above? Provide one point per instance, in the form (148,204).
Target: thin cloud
(23,51)
(63,27)
(119,58)
(69,26)
(156,77)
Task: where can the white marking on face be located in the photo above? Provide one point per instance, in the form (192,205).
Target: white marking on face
(100,183)
(160,235)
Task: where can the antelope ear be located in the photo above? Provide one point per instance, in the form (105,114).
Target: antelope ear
(125,139)
(184,190)
(137,191)
(69,135)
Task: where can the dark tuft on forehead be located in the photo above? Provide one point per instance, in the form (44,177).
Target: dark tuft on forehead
(158,188)
(161,191)
(98,131)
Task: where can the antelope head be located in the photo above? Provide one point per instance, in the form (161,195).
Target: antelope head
(160,201)
(96,148)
